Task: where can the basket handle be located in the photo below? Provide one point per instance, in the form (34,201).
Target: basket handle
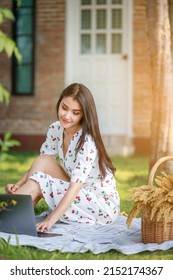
(155,166)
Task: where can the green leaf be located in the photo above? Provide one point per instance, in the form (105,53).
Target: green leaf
(4,149)
(7,135)
(2,41)
(9,46)
(5,156)
(1,18)
(12,143)
(1,143)
(4,95)
(6,144)
(6,13)
(17,54)
(19,2)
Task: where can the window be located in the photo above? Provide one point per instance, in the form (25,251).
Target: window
(101,26)
(23,34)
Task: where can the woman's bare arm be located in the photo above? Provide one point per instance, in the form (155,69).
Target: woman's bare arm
(11,188)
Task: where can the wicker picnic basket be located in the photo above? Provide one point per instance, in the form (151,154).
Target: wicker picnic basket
(157,212)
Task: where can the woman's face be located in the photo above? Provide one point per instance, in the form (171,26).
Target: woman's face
(70,113)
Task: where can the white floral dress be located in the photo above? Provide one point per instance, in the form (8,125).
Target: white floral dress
(97,201)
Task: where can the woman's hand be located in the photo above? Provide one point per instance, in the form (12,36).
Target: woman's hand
(12,188)
(45,225)
(62,207)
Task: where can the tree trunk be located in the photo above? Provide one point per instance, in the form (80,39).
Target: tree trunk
(159,37)
(170,3)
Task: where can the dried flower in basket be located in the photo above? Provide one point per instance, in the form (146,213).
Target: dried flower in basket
(155,200)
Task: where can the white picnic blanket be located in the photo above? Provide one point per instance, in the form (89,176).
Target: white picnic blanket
(97,239)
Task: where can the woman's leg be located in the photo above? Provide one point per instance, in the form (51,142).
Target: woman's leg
(46,164)
(31,188)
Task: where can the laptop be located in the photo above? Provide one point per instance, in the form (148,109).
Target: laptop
(17,216)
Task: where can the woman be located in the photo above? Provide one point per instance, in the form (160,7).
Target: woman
(80,185)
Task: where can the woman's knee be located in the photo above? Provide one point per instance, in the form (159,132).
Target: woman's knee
(43,161)
(43,158)
(48,164)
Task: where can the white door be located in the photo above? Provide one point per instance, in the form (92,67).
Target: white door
(98,54)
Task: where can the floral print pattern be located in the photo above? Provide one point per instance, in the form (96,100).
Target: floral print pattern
(97,201)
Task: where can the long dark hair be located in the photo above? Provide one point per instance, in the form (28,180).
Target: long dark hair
(89,122)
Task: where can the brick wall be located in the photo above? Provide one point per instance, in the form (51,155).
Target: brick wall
(31,115)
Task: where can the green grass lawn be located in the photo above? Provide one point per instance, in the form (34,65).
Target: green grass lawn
(131,172)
